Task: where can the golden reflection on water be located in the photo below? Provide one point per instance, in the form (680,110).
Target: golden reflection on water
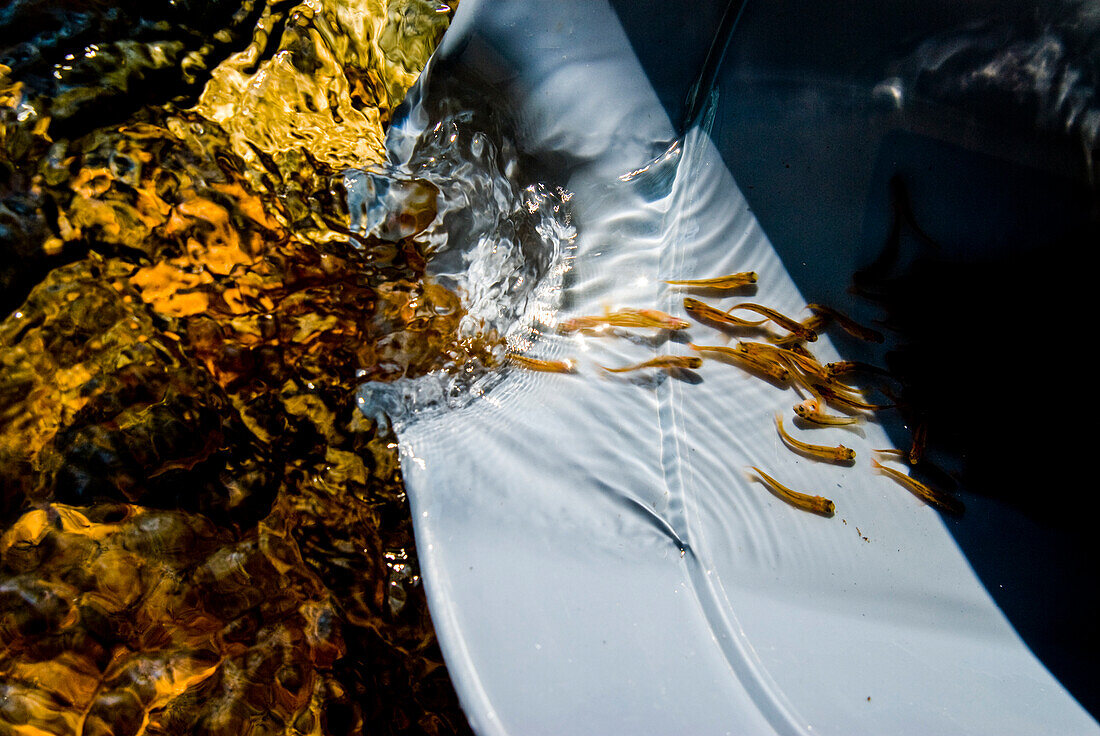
(200,532)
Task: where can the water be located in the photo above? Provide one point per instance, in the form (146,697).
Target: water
(598,520)
(500,240)
(201,532)
(237,297)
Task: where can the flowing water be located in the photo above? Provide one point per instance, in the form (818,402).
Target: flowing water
(502,239)
(234,269)
(205,248)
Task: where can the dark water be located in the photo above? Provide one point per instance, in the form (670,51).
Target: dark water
(199,531)
(976,125)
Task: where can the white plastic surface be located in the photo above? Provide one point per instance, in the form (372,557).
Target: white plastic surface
(595,559)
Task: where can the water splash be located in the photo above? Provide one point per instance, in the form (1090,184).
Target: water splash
(503,243)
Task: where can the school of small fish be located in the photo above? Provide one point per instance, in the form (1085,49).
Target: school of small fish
(781,357)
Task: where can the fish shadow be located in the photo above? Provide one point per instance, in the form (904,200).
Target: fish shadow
(658,377)
(686,375)
(650,341)
(856,429)
(713,293)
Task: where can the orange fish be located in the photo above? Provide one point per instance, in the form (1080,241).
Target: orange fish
(939,499)
(668,362)
(705,313)
(771,369)
(544,366)
(806,502)
(644,318)
(790,325)
(804,363)
(810,410)
(846,323)
(838,454)
(844,367)
(733,281)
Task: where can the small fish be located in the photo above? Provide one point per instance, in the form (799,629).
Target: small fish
(705,313)
(668,362)
(644,318)
(846,323)
(801,362)
(733,281)
(544,366)
(800,349)
(815,323)
(580,324)
(838,454)
(650,318)
(838,394)
(844,367)
(937,498)
(771,369)
(920,439)
(809,373)
(806,502)
(790,325)
(810,410)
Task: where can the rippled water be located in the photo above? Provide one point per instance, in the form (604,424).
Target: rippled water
(502,240)
(204,249)
(623,494)
(234,266)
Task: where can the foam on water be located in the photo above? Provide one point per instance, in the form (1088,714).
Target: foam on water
(500,240)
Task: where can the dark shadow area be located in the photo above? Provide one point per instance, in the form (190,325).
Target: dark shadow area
(672,41)
(989,282)
(831,126)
